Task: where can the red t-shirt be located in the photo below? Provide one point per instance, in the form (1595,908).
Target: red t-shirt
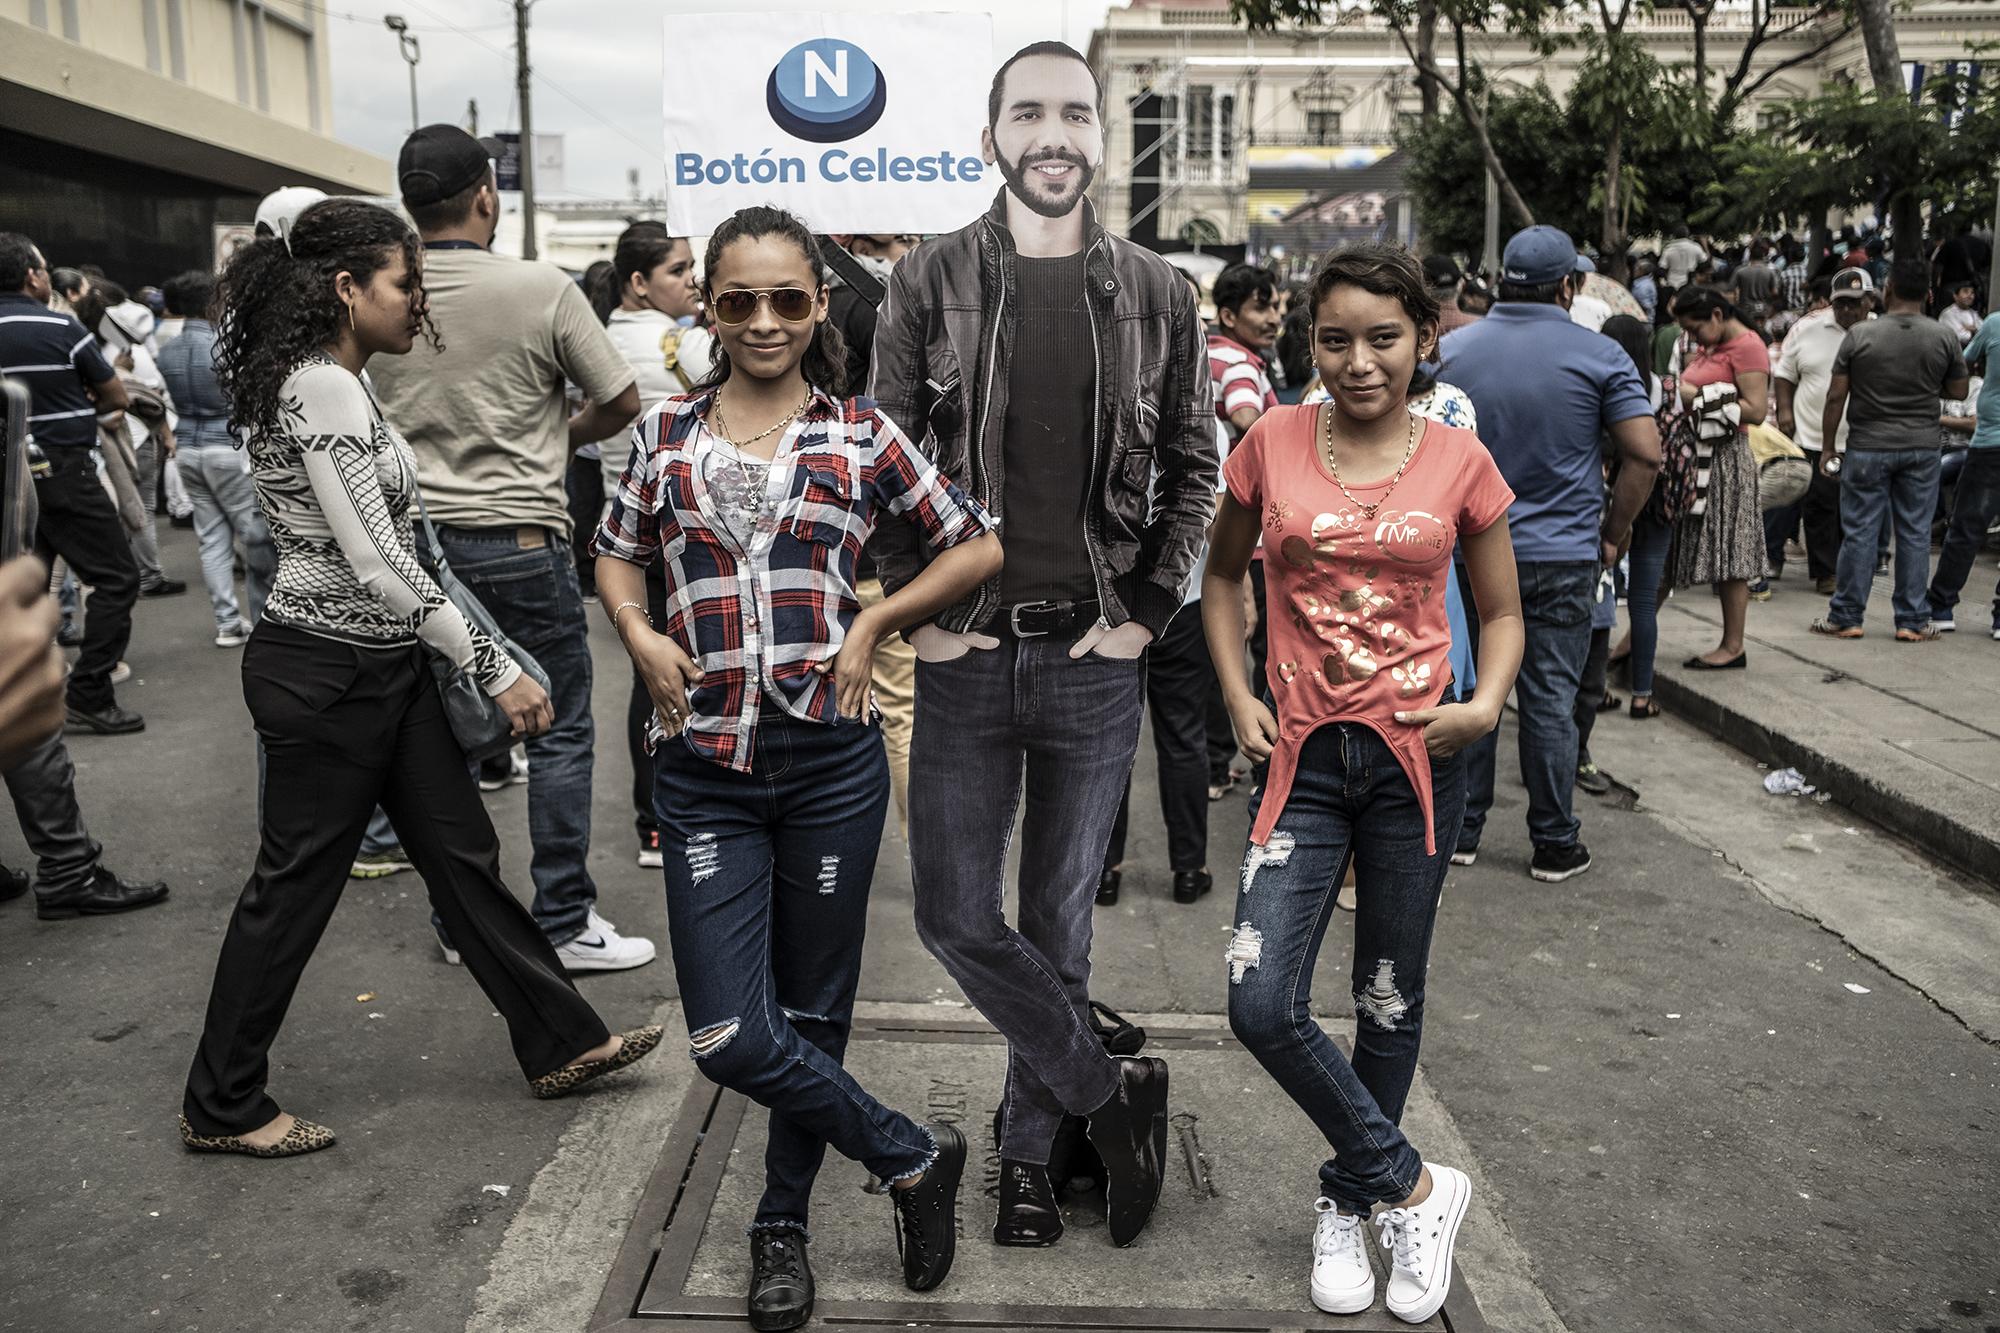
(1355,606)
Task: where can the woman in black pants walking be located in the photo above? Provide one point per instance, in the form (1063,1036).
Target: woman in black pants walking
(340,688)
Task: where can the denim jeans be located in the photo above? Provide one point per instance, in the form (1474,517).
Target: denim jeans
(533,595)
(1651,540)
(217,477)
(991,726)
(146,541)
(1973,507)
(1556,597)
(767,903)
(1349,801)
(1877,486)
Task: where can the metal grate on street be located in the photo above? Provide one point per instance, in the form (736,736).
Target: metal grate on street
(1227,1251)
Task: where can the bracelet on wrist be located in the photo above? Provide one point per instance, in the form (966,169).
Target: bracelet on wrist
(621,608)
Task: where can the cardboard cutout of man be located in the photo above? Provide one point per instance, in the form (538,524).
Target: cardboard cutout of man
(1059,374)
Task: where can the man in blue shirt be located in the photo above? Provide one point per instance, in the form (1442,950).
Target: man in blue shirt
(69,383)
(1975,501)
(215,470)
(1547,392)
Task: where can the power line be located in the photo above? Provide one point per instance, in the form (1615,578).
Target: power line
(375,20)
(544,79)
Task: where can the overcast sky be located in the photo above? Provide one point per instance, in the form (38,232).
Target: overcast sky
(608,56)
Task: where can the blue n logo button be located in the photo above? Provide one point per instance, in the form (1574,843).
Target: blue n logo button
(826,90)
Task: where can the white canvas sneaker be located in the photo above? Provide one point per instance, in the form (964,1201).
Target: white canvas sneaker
(1342,1280)
(1420,1241)
(602,949)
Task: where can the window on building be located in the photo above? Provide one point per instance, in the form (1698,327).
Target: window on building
(1322,127)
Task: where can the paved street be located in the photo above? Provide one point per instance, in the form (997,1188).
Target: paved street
(1720,1081)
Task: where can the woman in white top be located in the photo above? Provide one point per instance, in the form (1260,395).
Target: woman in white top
(652,278)
(339,682)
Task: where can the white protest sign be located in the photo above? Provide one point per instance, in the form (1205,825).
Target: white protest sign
(856,122)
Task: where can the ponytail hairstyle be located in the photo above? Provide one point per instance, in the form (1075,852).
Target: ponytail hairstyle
(642,247)
(598,290)
(277,307)
(825,363)
(1700,302)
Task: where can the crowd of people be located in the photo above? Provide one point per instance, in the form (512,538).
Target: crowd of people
(1327,534)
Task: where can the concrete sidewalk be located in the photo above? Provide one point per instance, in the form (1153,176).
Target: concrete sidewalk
(1905,735)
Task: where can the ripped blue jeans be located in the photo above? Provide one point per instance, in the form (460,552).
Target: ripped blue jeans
(1350,799)
(767,904)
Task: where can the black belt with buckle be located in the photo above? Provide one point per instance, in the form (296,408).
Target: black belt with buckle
(1035,620)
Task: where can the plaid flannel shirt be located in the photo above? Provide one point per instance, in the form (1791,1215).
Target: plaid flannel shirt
(757,620)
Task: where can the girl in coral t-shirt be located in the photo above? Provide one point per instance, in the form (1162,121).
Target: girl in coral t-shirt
(1359,504)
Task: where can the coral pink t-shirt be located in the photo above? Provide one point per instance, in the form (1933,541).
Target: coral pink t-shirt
(1355,605)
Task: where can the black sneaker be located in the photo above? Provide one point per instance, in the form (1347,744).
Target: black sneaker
(13,883)
(927,1213)
(164,588)
(781,1281)
(110,720)
(1107,888)
(1190,885)
(1592,779)
(1552,865)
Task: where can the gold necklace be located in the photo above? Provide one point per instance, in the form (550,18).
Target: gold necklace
(1333,468)
(753,493)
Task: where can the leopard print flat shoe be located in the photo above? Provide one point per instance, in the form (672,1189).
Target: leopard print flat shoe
(303,1137)
(634,1046)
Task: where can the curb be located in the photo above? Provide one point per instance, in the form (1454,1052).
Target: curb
(1971,849)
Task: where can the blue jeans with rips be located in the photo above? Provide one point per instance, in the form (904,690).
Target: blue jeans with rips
(1350,801)
(767,877)
(992,727)
(533,595)
(1877,486)
(1556,597)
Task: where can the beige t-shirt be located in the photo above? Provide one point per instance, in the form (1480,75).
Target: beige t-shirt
(487,416)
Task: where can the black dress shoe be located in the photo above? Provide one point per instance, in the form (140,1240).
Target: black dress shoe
(110,720)
(164,588)
(1127,1132)
(781,1281)
(103,895)
(1189,885)
(927,1214)
(1107,887)
(1028,1212)
(13,883)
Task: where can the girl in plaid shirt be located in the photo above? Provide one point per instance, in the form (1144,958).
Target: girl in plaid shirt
(757,492)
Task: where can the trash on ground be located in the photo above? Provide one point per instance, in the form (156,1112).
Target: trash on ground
(375,1015)
(1858,990)
(502,1190)
(364,997)
(1787,782)
(1802,842)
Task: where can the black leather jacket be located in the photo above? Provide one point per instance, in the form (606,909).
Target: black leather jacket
(942,346)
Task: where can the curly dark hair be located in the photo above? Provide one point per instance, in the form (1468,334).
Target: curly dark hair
(277,303)
(1381,268)
(825,363)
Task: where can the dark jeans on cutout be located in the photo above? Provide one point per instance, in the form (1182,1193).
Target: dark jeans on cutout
(767,904)
(1556,597)
(1349,801)
(343,728)
(991,726)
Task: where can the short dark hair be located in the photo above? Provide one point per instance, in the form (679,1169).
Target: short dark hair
(1702,301)
(1822,288)
(450,211)
(1383,269)
(1963,284)
(1531,293)
(67,280)
(19,257)
(1239,283)
(189,294)
(1909,279)
(1050,48)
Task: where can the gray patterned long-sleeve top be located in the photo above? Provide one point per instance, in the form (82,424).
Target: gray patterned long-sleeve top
(336,483)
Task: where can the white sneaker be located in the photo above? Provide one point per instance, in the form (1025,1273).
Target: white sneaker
(1420,1242)
(121,673)
(1944,624)
(1465,858)
(602,949)
(233,637)
(1342,1281)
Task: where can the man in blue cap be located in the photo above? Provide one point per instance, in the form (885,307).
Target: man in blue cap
(1547,391)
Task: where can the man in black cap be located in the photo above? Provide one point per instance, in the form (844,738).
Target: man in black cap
(1442,273)
(490,424)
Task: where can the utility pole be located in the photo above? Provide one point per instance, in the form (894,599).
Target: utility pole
(472,117)
(521,80)
(406,42)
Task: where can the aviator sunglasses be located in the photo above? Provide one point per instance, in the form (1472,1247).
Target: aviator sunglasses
(794,305)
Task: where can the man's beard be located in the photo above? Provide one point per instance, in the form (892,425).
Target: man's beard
(1019,176)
